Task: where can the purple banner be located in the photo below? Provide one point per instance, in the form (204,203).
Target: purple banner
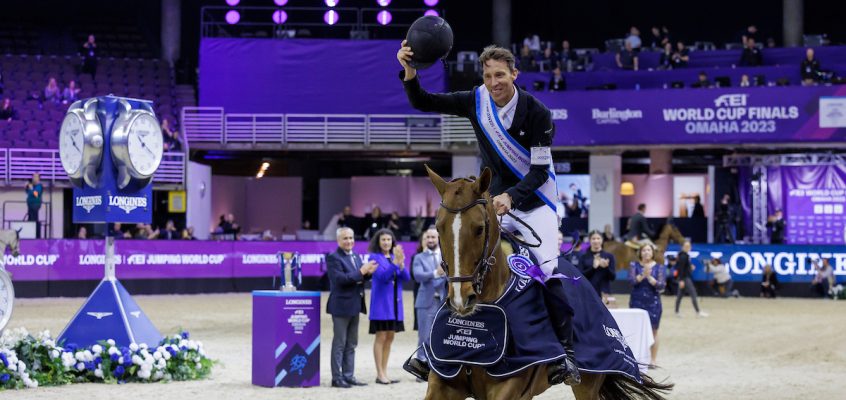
(814,199)
(61,260)
(316,76)
(714,116)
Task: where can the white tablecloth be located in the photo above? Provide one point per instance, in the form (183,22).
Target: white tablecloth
(635,327)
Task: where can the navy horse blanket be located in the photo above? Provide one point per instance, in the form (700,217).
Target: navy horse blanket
(514,332)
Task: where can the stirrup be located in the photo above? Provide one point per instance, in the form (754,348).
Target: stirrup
(417,367)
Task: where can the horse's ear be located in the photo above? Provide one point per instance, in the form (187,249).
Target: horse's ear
(484,181)
(436,179)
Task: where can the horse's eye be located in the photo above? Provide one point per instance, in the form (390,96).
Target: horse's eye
(479,231)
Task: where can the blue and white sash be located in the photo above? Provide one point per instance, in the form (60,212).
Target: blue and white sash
(515,156)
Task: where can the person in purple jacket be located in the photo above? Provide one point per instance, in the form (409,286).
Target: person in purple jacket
(386,316)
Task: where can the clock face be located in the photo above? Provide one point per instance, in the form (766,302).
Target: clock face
(144,144)
(71,143)
(7,298)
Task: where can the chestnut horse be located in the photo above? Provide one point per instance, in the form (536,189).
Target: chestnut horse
(477,274)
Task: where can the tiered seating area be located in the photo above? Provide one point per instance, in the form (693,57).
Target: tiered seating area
(779,64)
(37,123)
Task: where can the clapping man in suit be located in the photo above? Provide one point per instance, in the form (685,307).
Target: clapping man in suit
(432,292)
(347,274)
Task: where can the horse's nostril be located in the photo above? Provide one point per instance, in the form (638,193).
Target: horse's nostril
(471,299)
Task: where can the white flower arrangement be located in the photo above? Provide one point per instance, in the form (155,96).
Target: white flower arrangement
(31,360)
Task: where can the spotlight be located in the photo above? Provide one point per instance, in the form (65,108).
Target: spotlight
(384,17)
(431,13)
(232,17)
(233,3)
(383,3)
(431,3)
(331,3)
(280,16)
(331,16)
(280,3)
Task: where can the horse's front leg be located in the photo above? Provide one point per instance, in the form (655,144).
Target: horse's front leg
(440,389)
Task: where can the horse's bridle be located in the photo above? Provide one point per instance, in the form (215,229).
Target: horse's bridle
(486,259)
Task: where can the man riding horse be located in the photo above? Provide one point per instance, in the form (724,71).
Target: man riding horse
(508,121)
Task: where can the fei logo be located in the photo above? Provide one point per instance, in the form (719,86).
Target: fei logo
(731,100)
(89,202)
(126,203)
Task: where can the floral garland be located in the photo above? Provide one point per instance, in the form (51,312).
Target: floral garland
(32,361)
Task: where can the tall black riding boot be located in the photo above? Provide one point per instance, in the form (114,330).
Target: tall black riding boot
(561,316)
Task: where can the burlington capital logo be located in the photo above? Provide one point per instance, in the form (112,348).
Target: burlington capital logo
(126,203)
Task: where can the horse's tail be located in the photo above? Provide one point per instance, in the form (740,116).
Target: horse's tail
(619,387)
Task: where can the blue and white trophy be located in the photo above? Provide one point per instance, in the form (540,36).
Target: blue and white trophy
(110,147)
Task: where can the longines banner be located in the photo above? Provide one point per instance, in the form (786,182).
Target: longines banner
(704,116)
(792,263)
(43,260)
(52,260)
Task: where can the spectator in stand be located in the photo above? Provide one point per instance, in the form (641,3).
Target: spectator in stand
(346,219)
(744,81)
(557,82)
(659,38)
(7,112)
(395,224)
(771,44)
(34,197)
(698,210)
(725,221)
(171,137)
(703,82)
(188,233)
(71,93)
(634,39)
(533,43)
(627,58)
(82,233)
(52,93)
(776,222)
(810,70)
(751,56)
(170,232)
(568,57)
(374,222)
(751,32)
(228,225)
(527,62)
(549,59)
(681,56)
(769,282)
(118,233)
(823,279)
(89,57)
(608,234)
(666,60)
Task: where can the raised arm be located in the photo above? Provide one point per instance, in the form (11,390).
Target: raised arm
(456,103)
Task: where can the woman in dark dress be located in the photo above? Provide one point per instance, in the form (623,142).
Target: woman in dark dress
(386,312)
(598,266)
(648,279)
